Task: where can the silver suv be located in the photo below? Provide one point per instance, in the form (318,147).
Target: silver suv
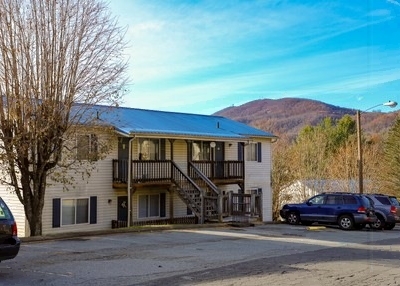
(387,213)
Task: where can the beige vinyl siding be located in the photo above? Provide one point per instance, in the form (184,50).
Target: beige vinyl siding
(99,184)
(231,152)
(180,208)
(258,175)
(180,154)
(16,208)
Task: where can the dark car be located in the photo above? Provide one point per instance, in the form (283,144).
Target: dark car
(9,241)
(348,210)
(386,212)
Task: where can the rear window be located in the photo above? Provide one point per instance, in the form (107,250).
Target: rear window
(4,211)
(367,202)
(394,201)
(349,200)
(383,200)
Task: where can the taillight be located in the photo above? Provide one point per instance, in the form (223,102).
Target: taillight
(362,210)
(14,229)
(393,209)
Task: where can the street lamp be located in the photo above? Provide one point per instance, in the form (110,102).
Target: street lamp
(391,104)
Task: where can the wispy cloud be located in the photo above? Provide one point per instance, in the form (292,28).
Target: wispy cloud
(208,53)
(397,3)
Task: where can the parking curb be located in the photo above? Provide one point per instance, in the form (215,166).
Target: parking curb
(316,227)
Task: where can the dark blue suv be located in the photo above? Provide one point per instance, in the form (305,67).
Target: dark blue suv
(348,210)
(9,241)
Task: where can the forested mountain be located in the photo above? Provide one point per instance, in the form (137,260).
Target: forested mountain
(289,115)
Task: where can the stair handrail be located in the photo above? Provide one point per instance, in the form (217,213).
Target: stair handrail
(209,183)
(193,183)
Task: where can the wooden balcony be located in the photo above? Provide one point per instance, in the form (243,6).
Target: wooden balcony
(159,172)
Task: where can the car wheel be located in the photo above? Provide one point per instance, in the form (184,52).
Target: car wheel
(389,226)
(380,222)
(293,218)
(359,226)
(346,222)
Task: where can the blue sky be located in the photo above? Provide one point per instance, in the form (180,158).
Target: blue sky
(202,56)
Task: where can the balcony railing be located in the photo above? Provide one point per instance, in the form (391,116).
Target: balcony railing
(142,171)
(220,169)
(160,170)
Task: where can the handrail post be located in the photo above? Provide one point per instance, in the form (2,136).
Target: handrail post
(220,206)
(203,210)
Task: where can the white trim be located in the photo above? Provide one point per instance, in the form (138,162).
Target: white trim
(75,199)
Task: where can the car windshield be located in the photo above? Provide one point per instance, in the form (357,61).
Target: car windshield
(4,211)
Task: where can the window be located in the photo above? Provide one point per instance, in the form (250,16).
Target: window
(257,191)
(149,149)
(253,152)
(383,200)
(317,200)
(201,150)
(149,206)
(334,200)
(86,147)
(349,200)
(4,211)
(74,211)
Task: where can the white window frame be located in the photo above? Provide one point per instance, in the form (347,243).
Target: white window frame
(252,152)
(75,200)
(148,207)
(256,191)
(89,151)
(149,154)
(201,151)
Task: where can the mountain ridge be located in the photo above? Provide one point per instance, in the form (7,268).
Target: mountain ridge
(287,116)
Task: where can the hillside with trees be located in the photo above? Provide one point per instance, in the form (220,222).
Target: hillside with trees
(318,142)
(287,116)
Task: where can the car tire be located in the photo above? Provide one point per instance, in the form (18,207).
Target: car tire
(346,222)
(389,226)
(380,222)
(293,218)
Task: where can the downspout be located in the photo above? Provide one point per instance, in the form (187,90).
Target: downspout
(130,181)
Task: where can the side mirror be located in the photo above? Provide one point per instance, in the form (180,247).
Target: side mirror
(309,203)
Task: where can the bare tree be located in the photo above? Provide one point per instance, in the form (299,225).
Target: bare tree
(282,173)
(391,160)
(57,59)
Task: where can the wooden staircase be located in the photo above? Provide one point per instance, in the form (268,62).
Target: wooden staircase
(203,200)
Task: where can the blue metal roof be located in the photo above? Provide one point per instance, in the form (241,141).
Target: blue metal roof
(131,121)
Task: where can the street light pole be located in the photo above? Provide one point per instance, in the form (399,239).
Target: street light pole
(359,155)
(391,104)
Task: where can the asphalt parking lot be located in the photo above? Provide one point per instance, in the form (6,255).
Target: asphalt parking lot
(261,255)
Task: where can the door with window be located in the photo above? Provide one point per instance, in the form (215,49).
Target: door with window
(122,214)
(219,159)
(123,157)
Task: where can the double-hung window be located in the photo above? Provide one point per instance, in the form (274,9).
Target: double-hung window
(253,152)
(86,147)
(201,150)
(149,149)
(74,211)
(149,206)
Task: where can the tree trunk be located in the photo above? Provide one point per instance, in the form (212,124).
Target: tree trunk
(35,223)
(33,200)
